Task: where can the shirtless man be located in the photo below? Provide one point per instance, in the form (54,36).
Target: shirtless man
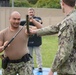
(16,54)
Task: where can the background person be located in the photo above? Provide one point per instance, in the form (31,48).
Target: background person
(34,41)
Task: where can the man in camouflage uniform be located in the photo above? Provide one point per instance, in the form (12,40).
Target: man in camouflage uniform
(65,59)
(16,59)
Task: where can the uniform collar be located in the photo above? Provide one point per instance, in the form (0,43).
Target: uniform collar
(71,12)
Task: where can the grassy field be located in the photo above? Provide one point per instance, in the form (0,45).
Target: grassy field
(48,50)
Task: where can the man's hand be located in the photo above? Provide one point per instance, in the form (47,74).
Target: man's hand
(5,43)
(50,73)
(2,47)
(32,29)
(30,18)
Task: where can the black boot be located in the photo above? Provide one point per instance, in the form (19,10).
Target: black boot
(40,70)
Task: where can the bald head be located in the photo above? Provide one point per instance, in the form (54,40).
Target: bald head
(15,19)
(15,13)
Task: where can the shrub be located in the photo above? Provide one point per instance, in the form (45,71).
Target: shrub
(18,3)
(48,3)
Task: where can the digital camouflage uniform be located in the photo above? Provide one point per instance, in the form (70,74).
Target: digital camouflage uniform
(65,59)
(21,68)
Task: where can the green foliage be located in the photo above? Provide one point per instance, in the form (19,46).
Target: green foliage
(22,4)
(48,3)
(19,3)
(32,1)
(36,3)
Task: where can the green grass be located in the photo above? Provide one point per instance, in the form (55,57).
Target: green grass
(48,50)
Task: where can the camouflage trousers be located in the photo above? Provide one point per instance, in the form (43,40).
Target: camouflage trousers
(65,74)
(21,68)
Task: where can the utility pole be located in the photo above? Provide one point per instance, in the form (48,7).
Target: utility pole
(12,3)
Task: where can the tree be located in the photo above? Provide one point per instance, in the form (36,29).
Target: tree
(32,1)
(37,3)
(48,3)
(21,3)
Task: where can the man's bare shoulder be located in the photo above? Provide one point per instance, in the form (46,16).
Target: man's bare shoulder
(4,30)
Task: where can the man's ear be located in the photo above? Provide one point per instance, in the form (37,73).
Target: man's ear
(63,3)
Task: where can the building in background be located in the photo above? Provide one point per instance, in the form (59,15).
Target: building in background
(4,3)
